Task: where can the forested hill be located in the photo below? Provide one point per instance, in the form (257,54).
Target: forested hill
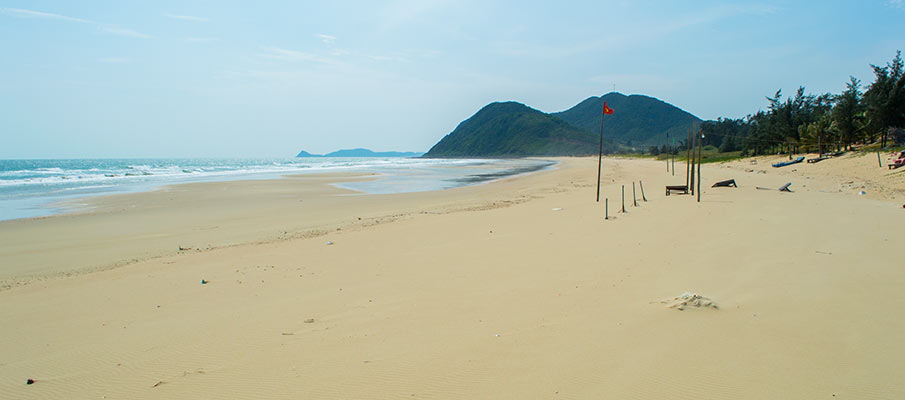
(513,129)
(637,121)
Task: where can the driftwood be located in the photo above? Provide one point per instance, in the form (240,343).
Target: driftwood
(726,183)
(784,188)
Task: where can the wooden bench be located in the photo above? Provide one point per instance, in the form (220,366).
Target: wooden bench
(677,188)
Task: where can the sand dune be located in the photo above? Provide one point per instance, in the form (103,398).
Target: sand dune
(479,292)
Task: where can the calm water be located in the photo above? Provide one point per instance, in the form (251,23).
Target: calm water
(29,188)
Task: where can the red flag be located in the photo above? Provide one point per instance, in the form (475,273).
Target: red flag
(607,110)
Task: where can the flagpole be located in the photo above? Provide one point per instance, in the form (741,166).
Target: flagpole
(687,159)
(600,152)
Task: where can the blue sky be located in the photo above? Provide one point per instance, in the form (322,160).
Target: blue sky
(87,79)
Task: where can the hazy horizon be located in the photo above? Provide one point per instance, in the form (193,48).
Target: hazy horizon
(203,79)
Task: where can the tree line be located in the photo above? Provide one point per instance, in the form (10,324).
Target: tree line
(818,122)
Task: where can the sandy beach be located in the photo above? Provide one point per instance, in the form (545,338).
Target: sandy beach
(515,289)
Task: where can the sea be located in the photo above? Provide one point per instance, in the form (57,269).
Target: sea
(36,188)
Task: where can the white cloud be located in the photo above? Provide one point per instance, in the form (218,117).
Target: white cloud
(186,17)
(294,55)
(124,32)
(896,3)
(19,12)
(40,14)
(339,52)
(327,39)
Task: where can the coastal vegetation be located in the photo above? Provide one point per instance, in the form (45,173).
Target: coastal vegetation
(827,122)
(860,115)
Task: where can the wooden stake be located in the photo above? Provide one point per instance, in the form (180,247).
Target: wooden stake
(878,160)
(634,196)
(641,184)
(700,153)
(606,214)
(694,144)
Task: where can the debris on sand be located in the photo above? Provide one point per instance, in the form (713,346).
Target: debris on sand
(688,299)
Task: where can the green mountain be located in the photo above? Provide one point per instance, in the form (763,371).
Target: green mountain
(513,129)
(637,121)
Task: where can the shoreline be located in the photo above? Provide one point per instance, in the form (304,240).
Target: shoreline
(47,190)
(168,202)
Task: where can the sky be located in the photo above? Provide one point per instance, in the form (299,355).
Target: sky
(226,78)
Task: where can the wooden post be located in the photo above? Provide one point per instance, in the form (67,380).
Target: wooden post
(694,144)
(634,196)
(642,190)
(623,198)
(700,154)
(687,157)
(606,203)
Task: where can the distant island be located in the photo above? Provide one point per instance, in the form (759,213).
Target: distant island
(362,153)
(511,129)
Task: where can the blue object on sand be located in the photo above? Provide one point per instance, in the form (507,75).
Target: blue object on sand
(790,162)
